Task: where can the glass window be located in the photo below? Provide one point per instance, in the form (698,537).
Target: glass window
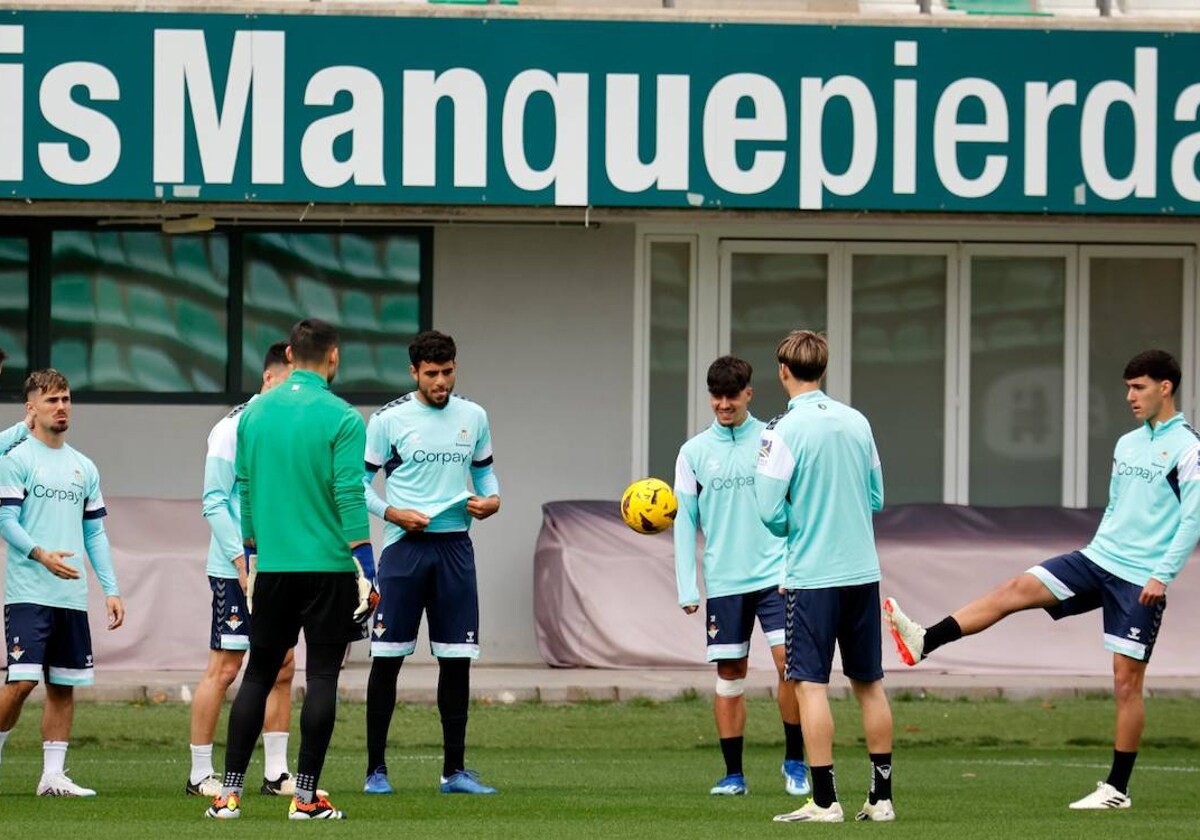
(14,315)
(1135,305)
(140,311)
(670,295)
(771,295)
(368,286)
(1017,344)
(898,368)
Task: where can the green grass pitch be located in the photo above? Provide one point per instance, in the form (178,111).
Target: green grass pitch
(637,769)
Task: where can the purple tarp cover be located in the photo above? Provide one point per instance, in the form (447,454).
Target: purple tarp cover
(604,596)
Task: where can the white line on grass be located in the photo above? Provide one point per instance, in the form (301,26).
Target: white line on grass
(1037,762)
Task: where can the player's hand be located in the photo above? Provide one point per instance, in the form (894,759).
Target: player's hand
(409,520)
(481,507)
(690,609)
(56,562)
(368,600)
(116,612)
(1155,592)
(239,565)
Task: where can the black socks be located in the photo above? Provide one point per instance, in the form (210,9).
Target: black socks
(1122,769)
(793,742)
(944,632)
(881,777)
(731,749)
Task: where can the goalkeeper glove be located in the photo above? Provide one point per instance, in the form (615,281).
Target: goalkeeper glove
(368,595)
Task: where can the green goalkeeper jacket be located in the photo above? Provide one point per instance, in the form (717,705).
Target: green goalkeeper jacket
(299,468)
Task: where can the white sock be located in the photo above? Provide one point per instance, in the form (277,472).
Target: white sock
(275,746)
(3,738)
(201,763)
(54,758)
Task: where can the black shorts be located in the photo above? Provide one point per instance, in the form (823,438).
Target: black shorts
(432,574)
(320,603)
(845,616)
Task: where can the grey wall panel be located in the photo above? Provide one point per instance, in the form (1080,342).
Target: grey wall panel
(543,318)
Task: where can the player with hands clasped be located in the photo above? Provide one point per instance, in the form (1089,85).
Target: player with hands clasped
(429,444)
(51,515)
(305,531)
(1147,534)
(742,568)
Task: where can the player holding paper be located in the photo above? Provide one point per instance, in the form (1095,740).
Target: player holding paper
(299,467)
(428,443)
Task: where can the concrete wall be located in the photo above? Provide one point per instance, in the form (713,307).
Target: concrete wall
(543,317)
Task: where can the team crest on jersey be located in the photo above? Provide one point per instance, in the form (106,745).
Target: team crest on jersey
(464,438)
(16,652)
(470,637)
(87,661)
(234,621)
(379,629)
(713,630)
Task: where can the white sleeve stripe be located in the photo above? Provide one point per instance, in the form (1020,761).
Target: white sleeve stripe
(12,492)
(775,460)
(222,441)
(1188,465)
(685,478)
(373,458)
(95,503)
(875,462)
(483,454)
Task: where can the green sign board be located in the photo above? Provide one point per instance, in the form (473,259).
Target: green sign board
(369,109)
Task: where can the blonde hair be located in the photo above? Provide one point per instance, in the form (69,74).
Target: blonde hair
(806,354)
(48,381)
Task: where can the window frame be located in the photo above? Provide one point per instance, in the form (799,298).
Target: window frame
(39,234)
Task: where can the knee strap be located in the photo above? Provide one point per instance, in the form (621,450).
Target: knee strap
(730,688)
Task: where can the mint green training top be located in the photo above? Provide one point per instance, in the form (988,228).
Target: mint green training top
(299,469)
(819,481)
(1152,520)
(714,484)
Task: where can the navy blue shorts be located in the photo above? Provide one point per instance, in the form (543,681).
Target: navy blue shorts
(1082,586)
(434,574)
(845,616)
(50,639)
(731,621)
(230,628)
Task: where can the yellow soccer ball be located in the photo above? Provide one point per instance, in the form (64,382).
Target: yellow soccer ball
(648,506)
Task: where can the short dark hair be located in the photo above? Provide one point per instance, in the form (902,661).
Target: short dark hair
(1159,365)
(276,355)
(728,376)
(432,346)
(312,339)
(3,355)
(48,381)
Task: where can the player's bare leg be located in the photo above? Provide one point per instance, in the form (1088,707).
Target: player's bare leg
(795,771)
(1023,592)
(914,642)
(877,727)
(12,699)
(57,717)
(222,670)
(1129,676)
(729,710)
(58,713)
(817,719)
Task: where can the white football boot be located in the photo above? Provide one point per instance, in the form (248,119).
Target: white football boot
(1105,796)
(908,635)
(812,812)
(58,784)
